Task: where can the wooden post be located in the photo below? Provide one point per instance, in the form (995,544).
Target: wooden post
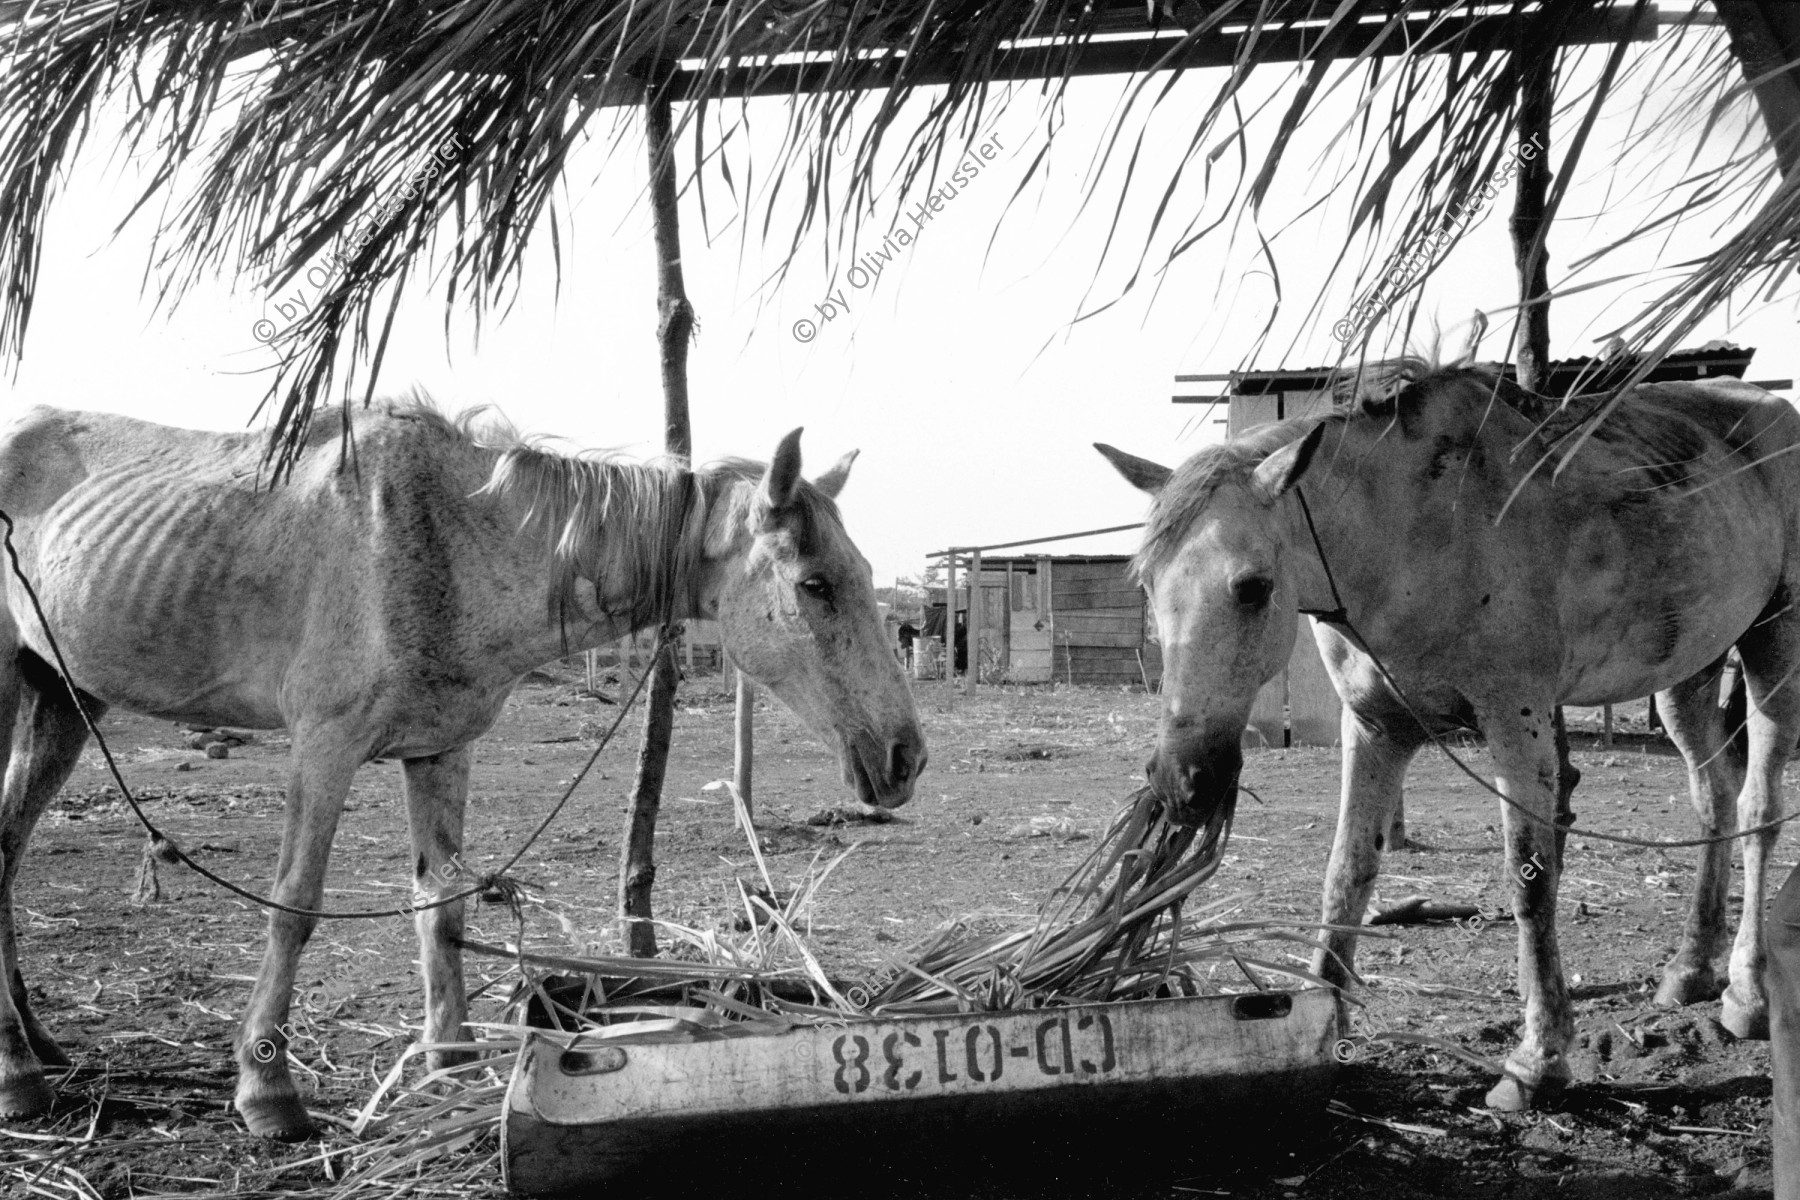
(743,761)
(974,620)
(950,630)
(675,328)
(1531,256)
(1530,228)
(1004,656)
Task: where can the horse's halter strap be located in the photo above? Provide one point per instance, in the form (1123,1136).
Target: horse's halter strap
(1331,616)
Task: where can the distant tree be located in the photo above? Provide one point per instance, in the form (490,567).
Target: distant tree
(905,598)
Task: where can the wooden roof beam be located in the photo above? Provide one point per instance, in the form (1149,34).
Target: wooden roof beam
(1160,50)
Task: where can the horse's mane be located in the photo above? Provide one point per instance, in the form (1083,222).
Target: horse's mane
(639,529)
(1192,484)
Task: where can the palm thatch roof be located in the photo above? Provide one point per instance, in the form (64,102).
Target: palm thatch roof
(384,140)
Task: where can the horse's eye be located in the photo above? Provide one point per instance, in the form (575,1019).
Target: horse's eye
(818,587)
(1252,591)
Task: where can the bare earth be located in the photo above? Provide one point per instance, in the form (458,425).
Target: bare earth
(145,998)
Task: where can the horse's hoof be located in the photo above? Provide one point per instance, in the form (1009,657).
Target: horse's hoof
(1513,1094)
(1745,1021)
(1693,985)
(25,1096)
(277,1118)
(50,1054)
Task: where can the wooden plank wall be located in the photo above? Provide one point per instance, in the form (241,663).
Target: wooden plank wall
(1100,625)
(1030,654)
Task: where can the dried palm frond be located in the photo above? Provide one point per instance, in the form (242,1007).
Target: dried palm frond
(1117,929)
(378,141)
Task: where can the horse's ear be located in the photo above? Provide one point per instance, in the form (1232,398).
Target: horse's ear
(832,481)
(784,473)
(1140,473)
(1279,472)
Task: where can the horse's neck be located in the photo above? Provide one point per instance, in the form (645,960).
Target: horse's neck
(1345,540)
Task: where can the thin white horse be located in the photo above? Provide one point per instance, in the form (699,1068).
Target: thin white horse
(386,609)
(1673,536)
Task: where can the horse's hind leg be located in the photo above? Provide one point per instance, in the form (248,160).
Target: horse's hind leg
(1771,654)
(1715,766)
(1523,747)
(437,789)
(47,736)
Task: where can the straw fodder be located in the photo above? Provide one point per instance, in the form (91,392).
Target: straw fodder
(1120,927)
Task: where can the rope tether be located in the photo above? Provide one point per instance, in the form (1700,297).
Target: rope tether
(164,848)
(1340,616)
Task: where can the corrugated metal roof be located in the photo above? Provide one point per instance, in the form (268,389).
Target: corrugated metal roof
(989,561)
(1593,372)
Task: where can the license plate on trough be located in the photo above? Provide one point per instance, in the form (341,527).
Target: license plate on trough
(581,1112)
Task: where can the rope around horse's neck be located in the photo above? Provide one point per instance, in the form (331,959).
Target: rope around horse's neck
(1340,616)
(164,847)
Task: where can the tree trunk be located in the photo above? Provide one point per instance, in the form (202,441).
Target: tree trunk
(1765,38)
(637,872)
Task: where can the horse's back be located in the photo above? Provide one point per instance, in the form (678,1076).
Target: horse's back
(1705,432)
(178,580)
(1682,519)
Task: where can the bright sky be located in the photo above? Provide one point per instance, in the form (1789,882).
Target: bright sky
(958,371)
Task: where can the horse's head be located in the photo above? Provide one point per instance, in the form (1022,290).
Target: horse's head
(1217,564)
(796,603)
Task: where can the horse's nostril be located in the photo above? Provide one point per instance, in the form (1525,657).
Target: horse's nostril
(900,761)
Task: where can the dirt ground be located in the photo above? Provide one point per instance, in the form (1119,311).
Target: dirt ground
(145,998)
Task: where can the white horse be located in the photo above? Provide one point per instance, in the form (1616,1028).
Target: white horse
(386,608)
(1672,537)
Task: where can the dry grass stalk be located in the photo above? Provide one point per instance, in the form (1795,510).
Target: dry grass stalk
(1117,929)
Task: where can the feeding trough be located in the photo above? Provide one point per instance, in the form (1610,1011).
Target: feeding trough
(1098,1025)
(584,1111)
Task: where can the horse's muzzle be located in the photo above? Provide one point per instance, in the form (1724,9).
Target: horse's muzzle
(883,775)
(1196,782)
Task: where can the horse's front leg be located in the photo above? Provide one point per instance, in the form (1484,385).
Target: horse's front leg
(319,779)
(1523,743)
(437,789)
(1374,775)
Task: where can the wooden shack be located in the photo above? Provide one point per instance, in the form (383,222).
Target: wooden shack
(1071,618)
(1300,706)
